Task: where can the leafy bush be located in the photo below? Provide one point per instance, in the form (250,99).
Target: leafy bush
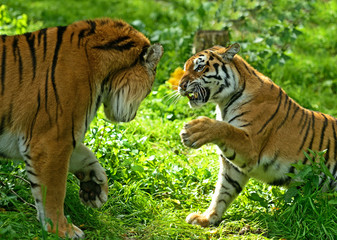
(12,22)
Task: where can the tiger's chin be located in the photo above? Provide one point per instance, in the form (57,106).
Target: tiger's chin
(120,116)
(196,103)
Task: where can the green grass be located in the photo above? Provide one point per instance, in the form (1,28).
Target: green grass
(155,182)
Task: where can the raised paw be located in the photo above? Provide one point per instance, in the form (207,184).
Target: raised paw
(198,132)
(94,182)
(93,188)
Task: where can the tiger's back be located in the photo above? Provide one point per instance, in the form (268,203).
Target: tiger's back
(260,131)
(280,129)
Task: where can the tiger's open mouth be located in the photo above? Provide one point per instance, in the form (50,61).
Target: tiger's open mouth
(201,96)
(193,96)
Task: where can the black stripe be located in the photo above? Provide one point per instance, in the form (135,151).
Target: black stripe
(232,157)
(286,117)
(30,40)
(272,161)
(335,140)
(216,67)
(247,68)
(325,124)
(237,116)
(20,66)
(2,124)
(73,130)
(313,130)
(274,114)
(46,91)
(71,37)
(98,102)
(225,193)
(31,173)
(14,47)
(43,32)
(235,97)
(305,136)
(305,122)
(327,155)
(255,74)
(234,183)
(81,35)
(113,45)
(286,100)
(27,164)
(37,112)
(296,110)
(223,186)
(33,185)
(92,27)
(60,31)
(17,56)
(92,163)
(299,123)
(221,88)
(224,69)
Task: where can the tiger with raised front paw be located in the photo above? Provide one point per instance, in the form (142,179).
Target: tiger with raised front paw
(260,131)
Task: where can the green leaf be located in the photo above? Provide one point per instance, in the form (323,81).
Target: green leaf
(290,193)
(256,197)
(137,168)
(333,202)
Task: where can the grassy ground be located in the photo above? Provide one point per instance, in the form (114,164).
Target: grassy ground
(154,182)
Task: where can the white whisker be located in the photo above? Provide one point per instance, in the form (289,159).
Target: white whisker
(172,97)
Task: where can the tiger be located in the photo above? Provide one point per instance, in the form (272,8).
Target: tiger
(52,82)
(259,131)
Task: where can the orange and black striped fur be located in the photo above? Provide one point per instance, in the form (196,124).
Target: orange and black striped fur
(260,131)
(52,82)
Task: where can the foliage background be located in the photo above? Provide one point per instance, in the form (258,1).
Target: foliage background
(154,181)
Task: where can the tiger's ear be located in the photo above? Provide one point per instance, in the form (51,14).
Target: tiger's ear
(153,55)
(231,51)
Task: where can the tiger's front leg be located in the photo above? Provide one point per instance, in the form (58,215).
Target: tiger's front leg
(47,161)
(205,130)
(230,183)
(230,180)
(93,180)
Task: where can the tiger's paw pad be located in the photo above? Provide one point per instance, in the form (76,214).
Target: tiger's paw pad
(93,189)
(197,219)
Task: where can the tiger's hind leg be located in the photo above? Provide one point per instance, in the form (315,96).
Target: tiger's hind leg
(47,167)
(230,183)
(94,183)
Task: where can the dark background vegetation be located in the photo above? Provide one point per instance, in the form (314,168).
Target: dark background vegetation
(154,181)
